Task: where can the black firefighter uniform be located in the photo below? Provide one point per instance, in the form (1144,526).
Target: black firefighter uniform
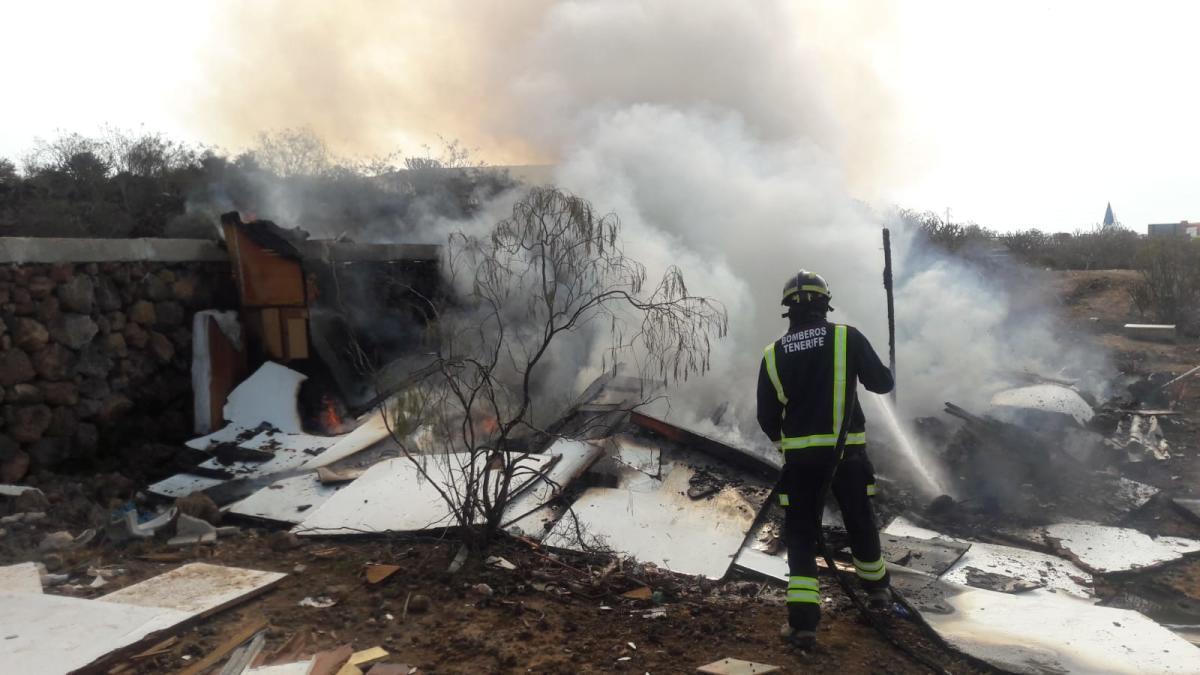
(802,389)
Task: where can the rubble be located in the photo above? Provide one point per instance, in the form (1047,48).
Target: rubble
(190,531)
(57,634)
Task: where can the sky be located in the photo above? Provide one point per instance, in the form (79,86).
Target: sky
(1010,114)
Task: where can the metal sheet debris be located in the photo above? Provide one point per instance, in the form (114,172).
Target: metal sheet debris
(287,501)
(662,526)
(530,513)
(1103,549)
(1140,436)
(1042,632)
(52,634)
(292,452)
(1188,507)
(1031,567)
(197,589)
(15,490)
(932,556)
(21,578)
(1047,398)
(737,667)
(394,496)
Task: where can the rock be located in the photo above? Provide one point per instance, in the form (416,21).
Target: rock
(29,334)
(54,363)
(61,272)
(94,388)
(113,408)
(94,362)
(199,505)
(142,312)
(15,367)
(48,453)
(419,604)
(169,313)
(62,422)
(14,462)
(114,344)
(108,298)
(77,295)
(27,424)
(87,438)
(56,541)
(161,347)
(74,330)
(60,393)
(116,320)
(184,290)
(135,336)
(88,408)
(24,393)
(40,288)
(30,500)
(284,541)
(47,311)
(155,288)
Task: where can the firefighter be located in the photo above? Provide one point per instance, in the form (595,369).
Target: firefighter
(803,384)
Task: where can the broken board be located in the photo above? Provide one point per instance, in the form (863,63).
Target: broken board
(53,634)
(1043,632)
(288,500)
(20,578)
(661,526)
(529,513)
(397,495)
(1031,567)
(198,589)
(1103,549)
(931,556)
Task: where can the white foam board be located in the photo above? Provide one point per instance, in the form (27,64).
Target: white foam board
(197,589)
(1039,632)
(20,578)
(528,514)
(288,500)
(1049,398)
(663,526)
(52,634)
(292,451)
(1104,549)
(1034,567)
(395,496)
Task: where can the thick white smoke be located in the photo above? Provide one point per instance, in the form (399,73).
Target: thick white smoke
(735,140)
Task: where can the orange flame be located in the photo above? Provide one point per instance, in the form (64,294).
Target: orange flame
(331,421)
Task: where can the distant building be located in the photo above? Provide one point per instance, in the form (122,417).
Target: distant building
(1109,219)
(1180,229)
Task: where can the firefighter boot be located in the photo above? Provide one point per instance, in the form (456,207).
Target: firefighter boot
(880,599)
(803,640)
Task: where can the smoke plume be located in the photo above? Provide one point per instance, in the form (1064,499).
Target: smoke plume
(740,141)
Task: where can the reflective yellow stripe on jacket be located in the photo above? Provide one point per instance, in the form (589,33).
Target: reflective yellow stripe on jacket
(839,399)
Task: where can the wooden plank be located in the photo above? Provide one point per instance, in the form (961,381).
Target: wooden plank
(368,657)
(328,663)
(272,333)
(243,633)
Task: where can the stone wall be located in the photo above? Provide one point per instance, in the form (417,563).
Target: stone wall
(95,359)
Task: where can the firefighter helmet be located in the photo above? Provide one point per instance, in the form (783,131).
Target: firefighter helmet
(805,286)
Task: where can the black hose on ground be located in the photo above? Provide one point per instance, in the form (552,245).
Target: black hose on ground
(874,620)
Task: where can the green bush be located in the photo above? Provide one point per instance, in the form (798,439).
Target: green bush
(1170,284)
(144,185)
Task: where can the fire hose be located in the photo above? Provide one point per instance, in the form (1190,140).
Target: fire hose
(842,578)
